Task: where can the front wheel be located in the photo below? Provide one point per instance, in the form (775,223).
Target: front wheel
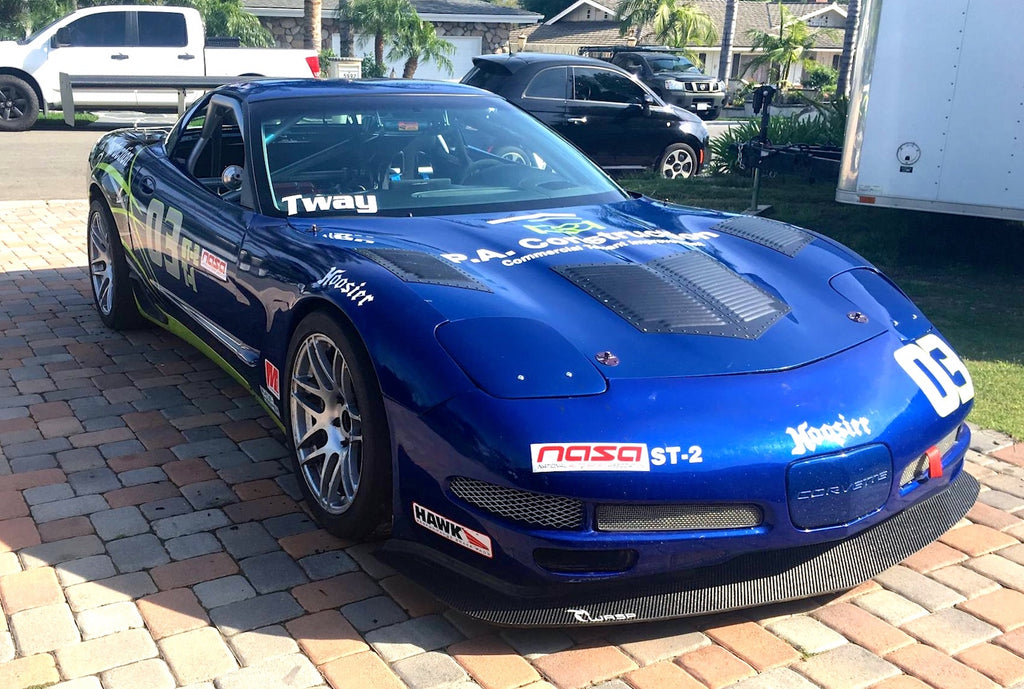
(108,271)
(338,429)
(678,160)
(19,106)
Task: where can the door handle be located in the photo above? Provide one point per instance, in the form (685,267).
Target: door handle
(147,185)
(186,56)
(577,120)
(118,56)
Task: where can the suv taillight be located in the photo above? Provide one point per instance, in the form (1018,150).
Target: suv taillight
(314,65)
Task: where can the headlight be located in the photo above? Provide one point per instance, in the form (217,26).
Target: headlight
(517,358)
(674,85)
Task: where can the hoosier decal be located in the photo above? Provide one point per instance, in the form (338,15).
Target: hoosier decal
(807,438)
(456,533)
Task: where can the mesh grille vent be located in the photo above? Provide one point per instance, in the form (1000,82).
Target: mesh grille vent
(781,237)
(549,511)
(677,517)
(416,266)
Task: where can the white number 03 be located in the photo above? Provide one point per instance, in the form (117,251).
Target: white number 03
(939,373)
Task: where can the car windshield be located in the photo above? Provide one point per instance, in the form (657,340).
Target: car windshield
(35,34)
(673,63)
(417,155)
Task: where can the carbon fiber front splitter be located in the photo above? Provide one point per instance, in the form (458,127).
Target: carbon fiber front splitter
(743,582)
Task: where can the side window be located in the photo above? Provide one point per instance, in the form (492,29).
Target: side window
(549,83)
(593,84)
(104,30)
(162,30)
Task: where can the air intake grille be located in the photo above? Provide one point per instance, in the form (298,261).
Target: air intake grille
(784,238)
(686,293)
(677,517)
(548,511)
(918,469)
(416,266)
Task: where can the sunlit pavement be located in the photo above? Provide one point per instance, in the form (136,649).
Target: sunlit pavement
(152,536)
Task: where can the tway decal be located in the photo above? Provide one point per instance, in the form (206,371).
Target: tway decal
(454,532)
(366,203)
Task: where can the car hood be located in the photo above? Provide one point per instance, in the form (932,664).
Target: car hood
(668,291)
(684,76)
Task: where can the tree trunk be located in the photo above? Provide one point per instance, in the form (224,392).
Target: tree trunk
(849,43)
(312,11)
(728,33)
(410,67)
(378,48)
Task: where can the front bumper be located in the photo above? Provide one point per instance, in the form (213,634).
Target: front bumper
(698,102)
(742,582)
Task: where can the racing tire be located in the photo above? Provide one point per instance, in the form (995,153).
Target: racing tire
(678,161)
(337,425)
(19,105)
(108,271)
(514,154)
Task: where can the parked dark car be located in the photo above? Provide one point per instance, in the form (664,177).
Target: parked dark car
(608,113)
(669,74)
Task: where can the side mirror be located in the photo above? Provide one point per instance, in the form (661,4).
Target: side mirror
(61,38)
(232,177)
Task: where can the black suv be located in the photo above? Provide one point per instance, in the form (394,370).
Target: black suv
(612,117)
(669,74)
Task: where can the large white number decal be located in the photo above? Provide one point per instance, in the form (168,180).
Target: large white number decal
(939,373)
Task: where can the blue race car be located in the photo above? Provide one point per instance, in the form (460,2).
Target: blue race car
(566,404)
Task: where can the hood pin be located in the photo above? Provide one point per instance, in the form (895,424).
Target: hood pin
(607,358)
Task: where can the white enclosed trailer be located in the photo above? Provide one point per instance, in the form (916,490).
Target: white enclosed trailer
(936,108)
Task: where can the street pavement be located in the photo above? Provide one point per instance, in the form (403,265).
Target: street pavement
(152,537)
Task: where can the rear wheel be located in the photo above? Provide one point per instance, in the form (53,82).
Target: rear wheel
(108,271)
(338,429)
(513,153)
(19,106)
(678,160)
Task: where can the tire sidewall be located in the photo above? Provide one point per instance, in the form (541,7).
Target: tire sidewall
(123,311)
(26,121)
(372,506)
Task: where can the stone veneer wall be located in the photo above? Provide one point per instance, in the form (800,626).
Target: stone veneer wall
(288,32)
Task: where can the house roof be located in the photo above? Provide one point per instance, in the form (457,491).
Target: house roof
(751,15)
(432,10)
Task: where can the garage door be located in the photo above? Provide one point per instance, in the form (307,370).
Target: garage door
(466,48)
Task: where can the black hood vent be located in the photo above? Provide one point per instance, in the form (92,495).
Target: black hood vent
(686,294)
(786,239)
(416,266)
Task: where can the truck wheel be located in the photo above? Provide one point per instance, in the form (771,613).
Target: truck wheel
(19,107)
(678,160)
(711,114)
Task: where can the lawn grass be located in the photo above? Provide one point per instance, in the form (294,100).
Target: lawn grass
(55,120)
(963,272)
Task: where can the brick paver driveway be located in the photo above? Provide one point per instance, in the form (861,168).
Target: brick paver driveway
(151,537)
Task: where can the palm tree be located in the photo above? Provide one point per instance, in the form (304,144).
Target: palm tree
(686,23)
(728,33)
(379,17)
(682,26)
(229,18)
(418,42)
(779,53)
(312,12)
(849,41)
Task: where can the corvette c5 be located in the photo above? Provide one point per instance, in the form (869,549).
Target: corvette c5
(563,403)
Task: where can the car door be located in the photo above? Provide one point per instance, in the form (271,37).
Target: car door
(190,226)
(162,48)
(96,44)
(609,121)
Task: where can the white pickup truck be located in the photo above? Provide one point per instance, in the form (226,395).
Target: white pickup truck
(135,40)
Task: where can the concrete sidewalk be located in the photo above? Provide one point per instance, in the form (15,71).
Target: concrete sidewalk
(152,536)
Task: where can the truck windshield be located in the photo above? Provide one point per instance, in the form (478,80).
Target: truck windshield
(417,155)
(672,64)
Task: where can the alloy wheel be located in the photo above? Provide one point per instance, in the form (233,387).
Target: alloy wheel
(678,163)
(101,264)
(326,423)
